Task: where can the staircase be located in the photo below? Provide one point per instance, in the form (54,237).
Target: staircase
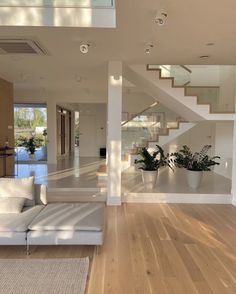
(155,125)
(171,134)
(165,90)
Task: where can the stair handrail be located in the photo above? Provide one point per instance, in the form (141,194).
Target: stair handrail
(162,65)
(184,67)
(139,113)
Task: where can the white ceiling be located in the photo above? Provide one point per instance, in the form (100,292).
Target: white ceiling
(190,25)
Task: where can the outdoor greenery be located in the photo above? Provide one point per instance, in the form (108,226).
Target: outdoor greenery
(30,127)
(153,161)
(26,117)
(198,161)
(21,141)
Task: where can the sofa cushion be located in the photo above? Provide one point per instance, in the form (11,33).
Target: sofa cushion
(10,187)
(11,205)
(19,222)
(70,217)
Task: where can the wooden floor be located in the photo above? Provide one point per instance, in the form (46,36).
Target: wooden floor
(158,248)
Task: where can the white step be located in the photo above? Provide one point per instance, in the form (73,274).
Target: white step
(173,134)
(76,194)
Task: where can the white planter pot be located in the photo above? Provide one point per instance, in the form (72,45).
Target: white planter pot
(149,179)
(194,178)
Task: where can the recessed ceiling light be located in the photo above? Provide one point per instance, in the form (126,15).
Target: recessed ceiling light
(210,44)
(161,18)
(84,48)
(204,56)
(148,47)
(78,78)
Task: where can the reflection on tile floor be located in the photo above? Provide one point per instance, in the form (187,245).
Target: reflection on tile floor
(23,155)
(71,172)
(175,182)
(80,173)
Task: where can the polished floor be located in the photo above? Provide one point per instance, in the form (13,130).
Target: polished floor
(23,156)
(70,172)
(175,182)
(157,249)
(80,173)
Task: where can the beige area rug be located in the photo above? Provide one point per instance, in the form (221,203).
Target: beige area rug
(43,276)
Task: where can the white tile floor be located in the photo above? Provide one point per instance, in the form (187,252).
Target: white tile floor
(76,177)
(175,182)
(71,172)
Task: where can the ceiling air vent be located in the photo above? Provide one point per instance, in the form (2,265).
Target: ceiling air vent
(20,46)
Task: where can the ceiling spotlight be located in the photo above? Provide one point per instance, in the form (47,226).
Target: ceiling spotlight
(148,48)
(161,18)
(78,78)
(84,48)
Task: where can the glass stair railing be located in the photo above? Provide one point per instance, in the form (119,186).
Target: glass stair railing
(146,127)
(180,73)
(212,85)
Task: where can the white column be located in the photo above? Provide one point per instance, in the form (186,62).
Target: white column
(234,166)
(114,132)
(52,131)
(233,191)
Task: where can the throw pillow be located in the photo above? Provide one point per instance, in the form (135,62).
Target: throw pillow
(24,188)
(11,205)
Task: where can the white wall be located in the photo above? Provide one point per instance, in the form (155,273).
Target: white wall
(216,75)
(204,75)
(202,134)
(217,134)
(224,148)
(227,87)
(98,114)
(135,102)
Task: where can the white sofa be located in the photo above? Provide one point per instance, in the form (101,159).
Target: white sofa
(14,226)
(68,223)
(53,224)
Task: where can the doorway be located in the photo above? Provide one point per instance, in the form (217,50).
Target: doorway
(30,127)
(63,131)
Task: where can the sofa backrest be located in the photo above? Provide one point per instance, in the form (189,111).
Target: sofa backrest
(40,194)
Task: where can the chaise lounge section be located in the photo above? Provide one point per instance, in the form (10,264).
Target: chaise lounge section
(39,223)
(68,223)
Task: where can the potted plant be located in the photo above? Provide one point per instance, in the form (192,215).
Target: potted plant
(30,145)
(194,163)
(150,163)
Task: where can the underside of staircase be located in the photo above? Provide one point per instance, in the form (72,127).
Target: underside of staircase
(171,134)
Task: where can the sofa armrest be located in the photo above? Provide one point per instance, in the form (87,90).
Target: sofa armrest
(40,194)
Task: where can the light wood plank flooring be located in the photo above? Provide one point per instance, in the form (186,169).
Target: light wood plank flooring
(158,248)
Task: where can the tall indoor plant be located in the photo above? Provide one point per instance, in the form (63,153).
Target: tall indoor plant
(194,163)
(150,163)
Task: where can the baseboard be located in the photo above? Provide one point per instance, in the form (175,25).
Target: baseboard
(177,198)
